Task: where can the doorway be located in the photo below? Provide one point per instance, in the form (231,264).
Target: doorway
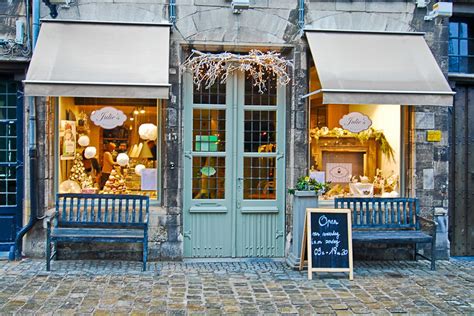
(234,169)
(11,162)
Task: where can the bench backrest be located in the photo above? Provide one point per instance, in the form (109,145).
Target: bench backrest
(381,212)
(102,209)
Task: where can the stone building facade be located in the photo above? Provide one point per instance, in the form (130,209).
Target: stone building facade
(211,25)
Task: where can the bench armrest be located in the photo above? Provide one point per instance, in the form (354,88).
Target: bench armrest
(50,217)
(426,220)
(432,223)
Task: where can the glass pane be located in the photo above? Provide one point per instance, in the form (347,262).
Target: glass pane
(453,29)
(214,95)
(260,131)
(265,97)
(259,179)
(453,47)
(8,185)
(209,130)
(208,177)
(11,111)
(453,64)
(3,107)
(463,30)
(463,48)
(11,199)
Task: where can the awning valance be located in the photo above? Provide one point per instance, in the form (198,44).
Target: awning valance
(100,59)
(377,68)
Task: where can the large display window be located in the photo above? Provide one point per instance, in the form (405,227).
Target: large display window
(108,146)
(357,148)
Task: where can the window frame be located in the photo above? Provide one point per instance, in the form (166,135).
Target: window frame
(54,100)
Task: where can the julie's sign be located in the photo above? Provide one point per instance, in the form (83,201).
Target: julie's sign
(355,122)
(108,117)
(327,241)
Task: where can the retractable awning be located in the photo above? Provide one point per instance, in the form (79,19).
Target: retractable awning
(376,68)
(100,59)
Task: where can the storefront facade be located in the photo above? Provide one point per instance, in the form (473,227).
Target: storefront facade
(220,191)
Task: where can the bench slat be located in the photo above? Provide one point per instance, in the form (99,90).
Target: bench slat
(391,236)
(97,232)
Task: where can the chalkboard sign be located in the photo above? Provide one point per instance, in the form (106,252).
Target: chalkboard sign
(327,241)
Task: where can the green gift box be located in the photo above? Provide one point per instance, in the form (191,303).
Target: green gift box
(206,143)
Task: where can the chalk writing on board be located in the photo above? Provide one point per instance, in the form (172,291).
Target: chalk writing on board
(329,244)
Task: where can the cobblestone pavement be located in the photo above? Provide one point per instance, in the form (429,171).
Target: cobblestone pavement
(252,287)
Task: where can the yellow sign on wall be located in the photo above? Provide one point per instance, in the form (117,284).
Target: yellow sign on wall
(433,135)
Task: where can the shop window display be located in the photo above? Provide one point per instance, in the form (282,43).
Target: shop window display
(108,146)
(356,148)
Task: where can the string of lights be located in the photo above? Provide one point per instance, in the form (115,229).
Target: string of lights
(209,68)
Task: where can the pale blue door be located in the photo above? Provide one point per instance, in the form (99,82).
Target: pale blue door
(234,169)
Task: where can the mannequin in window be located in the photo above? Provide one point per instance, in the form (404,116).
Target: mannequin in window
(92,168)
(108,164)
(151,144)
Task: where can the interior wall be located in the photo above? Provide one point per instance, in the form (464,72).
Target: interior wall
(388,119)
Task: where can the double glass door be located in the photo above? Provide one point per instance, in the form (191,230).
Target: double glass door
(234,169)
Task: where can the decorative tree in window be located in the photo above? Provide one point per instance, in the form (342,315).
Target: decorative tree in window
(78,173)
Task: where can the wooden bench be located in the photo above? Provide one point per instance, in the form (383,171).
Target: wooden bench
(84,218)
(389,221)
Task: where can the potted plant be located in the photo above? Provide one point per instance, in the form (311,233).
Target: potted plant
(305,195)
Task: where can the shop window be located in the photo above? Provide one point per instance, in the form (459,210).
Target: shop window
(356,148)
(108,146)
(461,46)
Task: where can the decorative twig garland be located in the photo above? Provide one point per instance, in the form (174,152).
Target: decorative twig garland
(208,68)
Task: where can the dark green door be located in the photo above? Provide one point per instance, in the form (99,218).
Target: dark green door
(234,170)
(11,163)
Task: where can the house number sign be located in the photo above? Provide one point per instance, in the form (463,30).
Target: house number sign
(355,122)
(108,117)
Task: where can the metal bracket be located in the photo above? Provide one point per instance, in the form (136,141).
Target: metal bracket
(187,154)
(279,234)
(280,155)
(19,164)
(187,234)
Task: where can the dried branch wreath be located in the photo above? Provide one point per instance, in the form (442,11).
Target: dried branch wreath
(208,68)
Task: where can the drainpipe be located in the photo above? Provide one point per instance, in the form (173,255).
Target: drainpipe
(33,162)
(36,21)
(172,11)
(301,15)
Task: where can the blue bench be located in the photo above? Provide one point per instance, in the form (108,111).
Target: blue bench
(83,218)
(389,221)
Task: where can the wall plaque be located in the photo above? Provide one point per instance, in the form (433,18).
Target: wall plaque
(434,136)
(355,122)
(108,117)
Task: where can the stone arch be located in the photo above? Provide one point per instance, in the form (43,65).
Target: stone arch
(221,25)
(362,21)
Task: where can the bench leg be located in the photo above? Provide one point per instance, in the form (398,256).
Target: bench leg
(145,252)
(415,252)
(433,253)
(48,252)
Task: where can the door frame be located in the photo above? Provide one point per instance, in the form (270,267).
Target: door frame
(17,210)
(233,201)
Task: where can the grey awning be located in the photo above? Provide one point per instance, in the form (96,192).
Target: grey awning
(377,68)
(96,59)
